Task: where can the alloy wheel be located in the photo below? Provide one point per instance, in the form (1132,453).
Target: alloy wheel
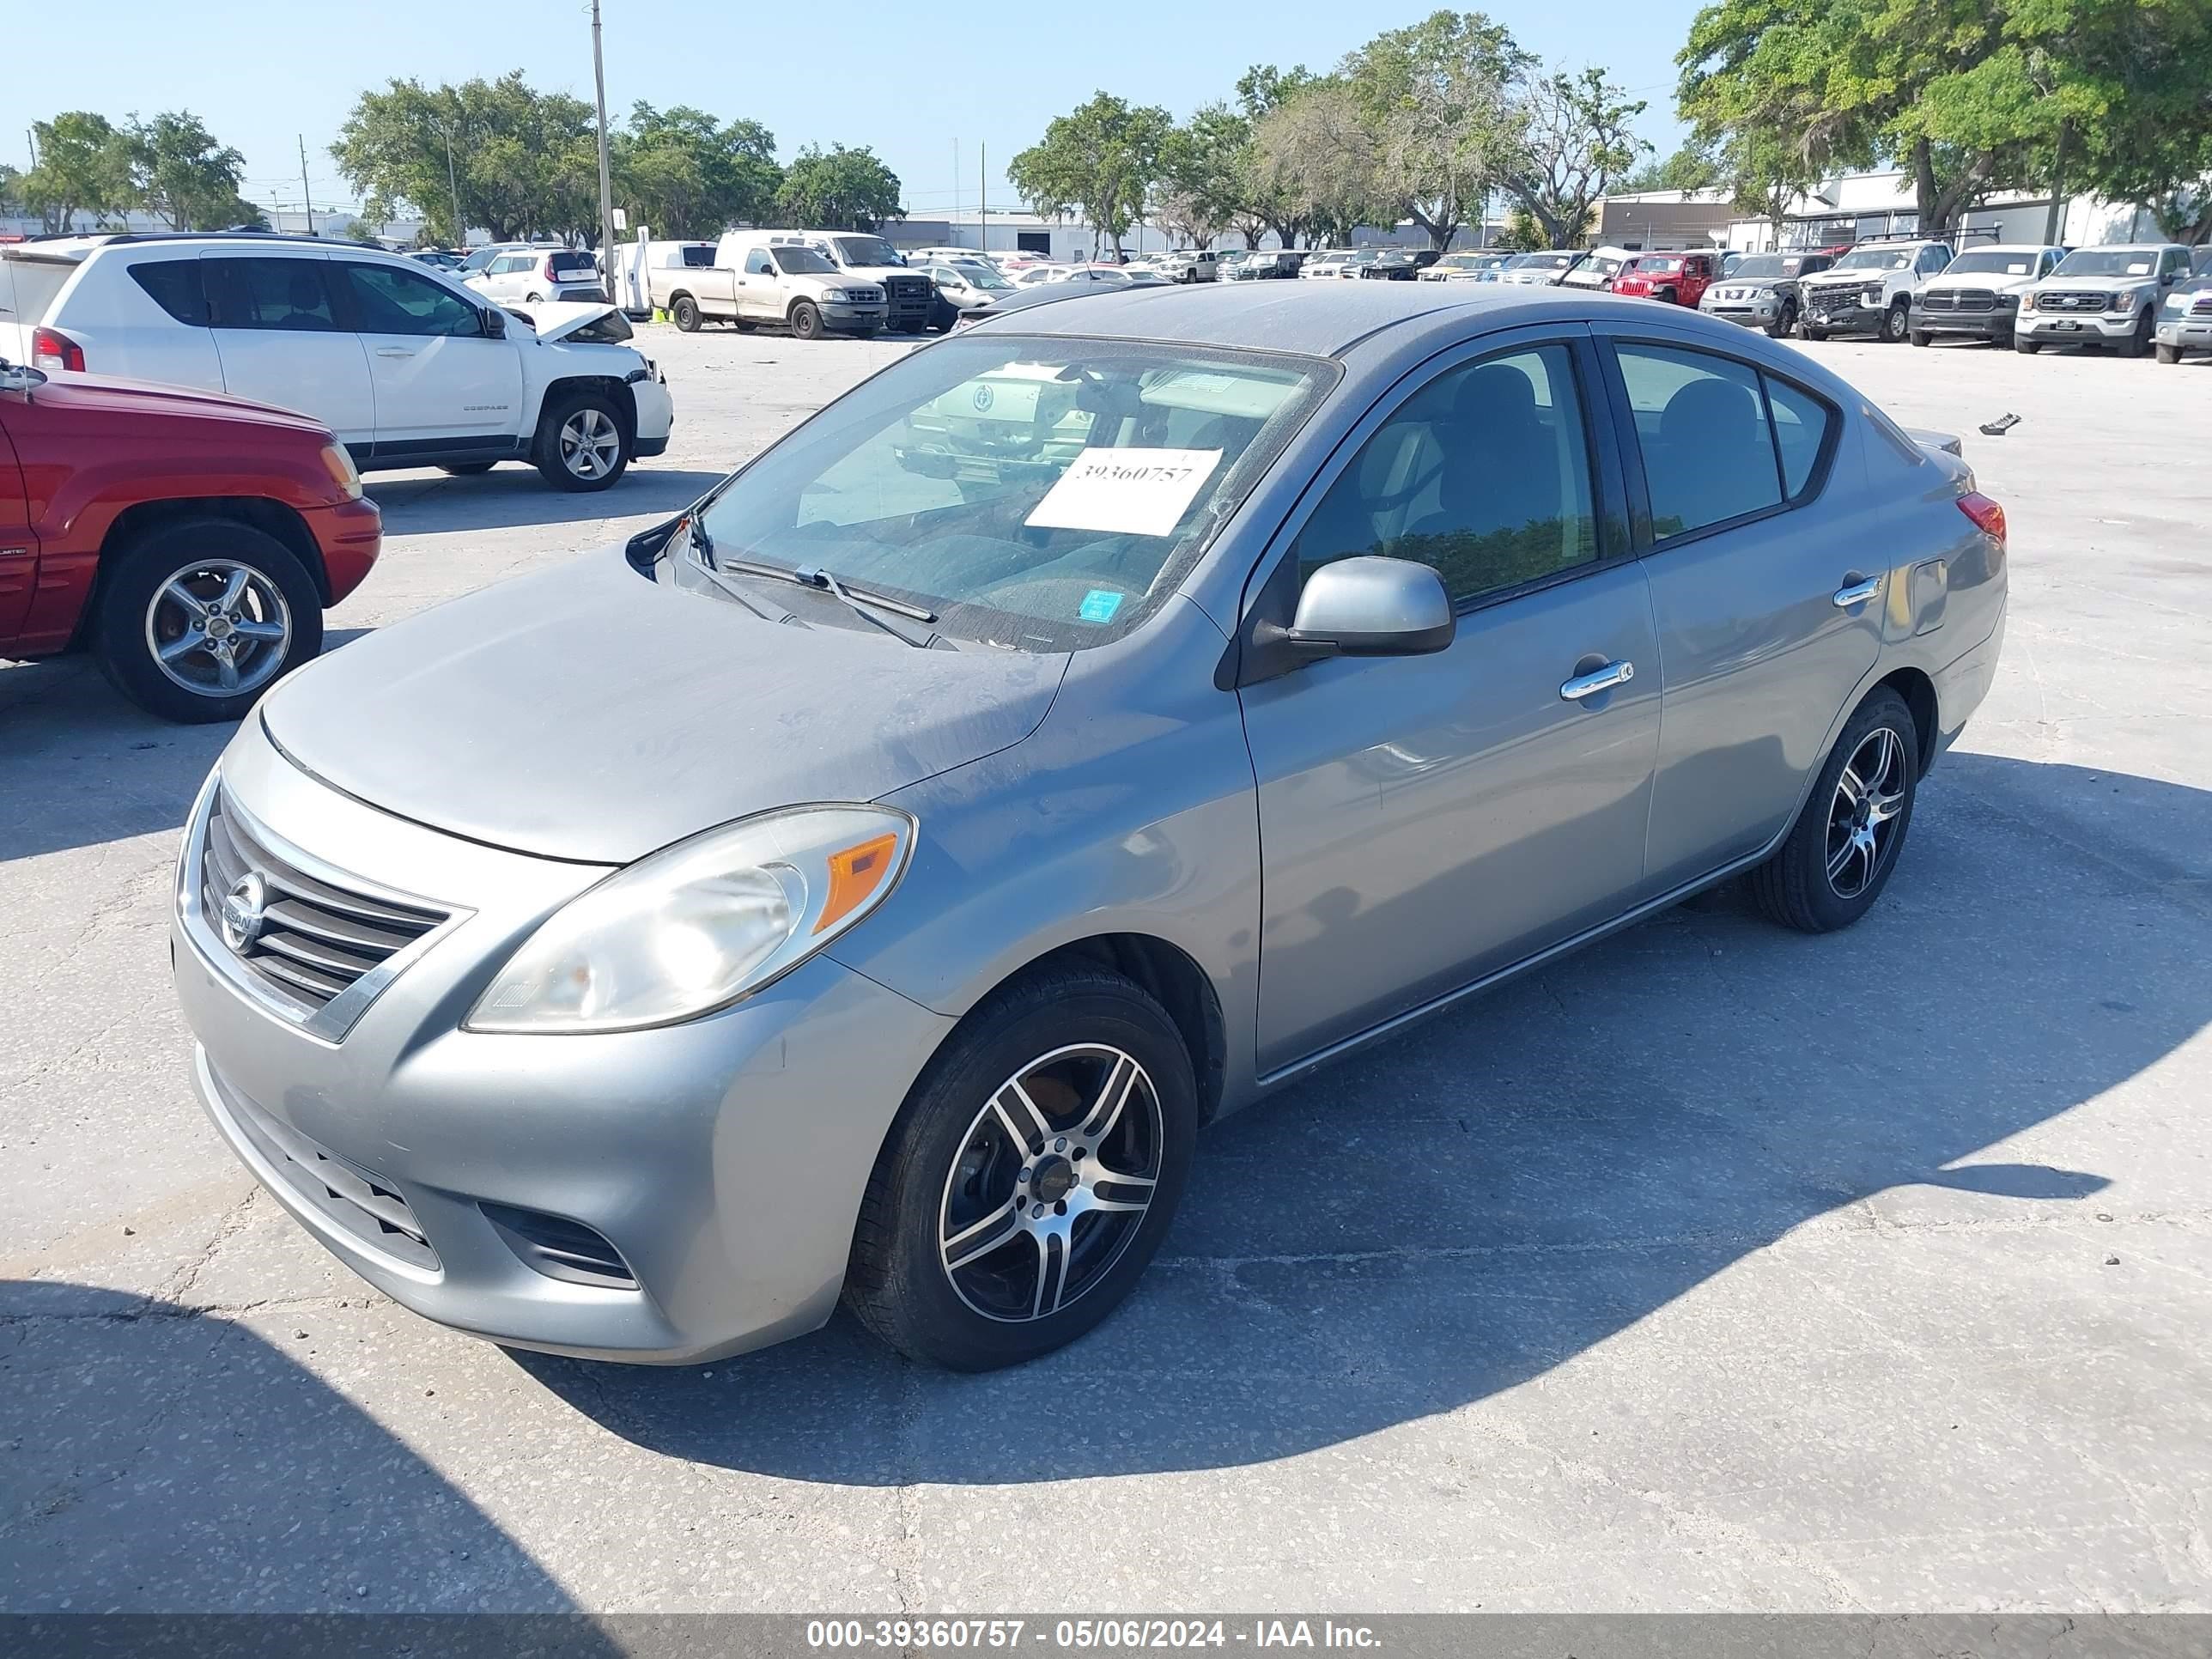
(218,628)
(1863,814)
(590,443)
(1051,1182)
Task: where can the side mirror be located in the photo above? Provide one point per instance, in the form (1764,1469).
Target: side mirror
(1373,607)
(494,324)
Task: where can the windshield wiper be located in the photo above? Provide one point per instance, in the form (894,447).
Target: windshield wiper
(859,600)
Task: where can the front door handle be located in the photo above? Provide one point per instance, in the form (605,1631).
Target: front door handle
(1857,592)
(1597,680)
(395,351)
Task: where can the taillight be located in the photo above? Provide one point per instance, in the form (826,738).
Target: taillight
(49,349)
(548,268)
(1988,518)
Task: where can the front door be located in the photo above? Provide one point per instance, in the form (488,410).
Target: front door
(439,379)
(759,287)
(1426,821)
(1768,618)
(277,331)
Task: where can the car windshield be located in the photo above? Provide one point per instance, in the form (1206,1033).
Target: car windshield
(481,257)
(980,276)
(2109,262)
(1464,261)
(1992,262)
(1874,258)
(1764,265)
(1664,263)
(800,262)
(866,251)
(1038,493)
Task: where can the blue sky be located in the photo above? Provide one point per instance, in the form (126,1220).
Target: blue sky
(908,80)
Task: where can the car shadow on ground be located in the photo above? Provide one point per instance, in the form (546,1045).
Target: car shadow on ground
(162,1460)
(1460,1211)
(512,494)
(112,770)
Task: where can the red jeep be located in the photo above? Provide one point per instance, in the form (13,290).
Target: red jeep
(1679,279)
(189,541)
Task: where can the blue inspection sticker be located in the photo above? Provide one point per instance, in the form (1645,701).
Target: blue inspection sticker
(1099,604)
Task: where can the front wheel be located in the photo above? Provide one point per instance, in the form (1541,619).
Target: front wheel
(805,321)
(1783,326)
(2167,354)
(1895,325)
(1839,855)
(1921,336)
(1029,1175)
(2138,343)
(583,443)
(197,619)
(2026,347)
(1806,331)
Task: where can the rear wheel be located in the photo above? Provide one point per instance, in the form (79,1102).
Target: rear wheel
(1030,1175)
(583,443)
(1895,325)
(805,321)
(196,620)
(1840,852)
(685,310)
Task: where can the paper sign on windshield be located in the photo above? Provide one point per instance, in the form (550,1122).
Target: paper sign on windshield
(1132,492)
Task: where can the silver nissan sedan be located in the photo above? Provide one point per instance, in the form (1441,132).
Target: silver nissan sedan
(868,882)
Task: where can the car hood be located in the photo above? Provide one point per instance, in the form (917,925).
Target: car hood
(1996,281)
(588,713)
(557,320)
(2094,284)
(1834,278)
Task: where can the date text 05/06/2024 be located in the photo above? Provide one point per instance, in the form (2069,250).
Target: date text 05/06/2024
(1109,1635)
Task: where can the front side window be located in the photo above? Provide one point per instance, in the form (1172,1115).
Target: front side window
(757,264)
(1036,494)
(1484,474)
(289,294)
(392,302)
(1933,260)
(1702,425)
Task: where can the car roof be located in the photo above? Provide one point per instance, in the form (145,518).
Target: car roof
(1320,320)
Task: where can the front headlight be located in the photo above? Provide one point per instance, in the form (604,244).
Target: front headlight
(696,927)
(339,464)
(2178,301)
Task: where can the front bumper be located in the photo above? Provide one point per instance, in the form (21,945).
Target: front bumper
(2075,328)
(349,535)
(656,413)
(723,1158)
(2185,333)
(1745,313)
(847,318)
(1970,325)
(1841,314)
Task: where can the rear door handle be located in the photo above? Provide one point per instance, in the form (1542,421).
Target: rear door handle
(1597,680)
(1857,592)
(395,351)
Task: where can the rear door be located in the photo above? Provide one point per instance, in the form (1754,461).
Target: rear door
(278,333)
(1766,557)
(19,548)
(437,380)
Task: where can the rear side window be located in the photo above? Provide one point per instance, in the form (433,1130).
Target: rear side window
(1702,426)
(274,294)
(699,258)
(1800,426)
(174,285)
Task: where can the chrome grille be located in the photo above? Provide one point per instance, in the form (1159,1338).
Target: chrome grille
(2070,302)
(1959,298)
(315,940)
(2201,307)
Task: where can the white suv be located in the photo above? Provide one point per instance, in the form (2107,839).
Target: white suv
(533,274)
(406,366)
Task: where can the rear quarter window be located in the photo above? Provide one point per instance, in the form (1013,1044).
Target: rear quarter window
(174,285)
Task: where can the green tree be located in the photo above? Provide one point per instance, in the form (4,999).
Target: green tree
(1691,166)
(1101,160)
(685,174)
(182,176)
(1439,98)
(1204,167)
(1316,154)
(84,167)
(1574,142)
(525,163)
(839,189)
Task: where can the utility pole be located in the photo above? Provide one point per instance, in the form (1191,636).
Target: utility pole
(982,188)
(955,178)
(306,199)
(606,181)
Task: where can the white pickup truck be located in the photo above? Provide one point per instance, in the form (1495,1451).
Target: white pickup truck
(756,278)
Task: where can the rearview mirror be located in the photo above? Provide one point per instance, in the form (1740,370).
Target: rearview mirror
(1374,607)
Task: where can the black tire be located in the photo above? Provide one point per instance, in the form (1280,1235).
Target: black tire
(1794,887)
(1896,324)
(1921,336)
(683,310)
(941,1153)
(1806,331)
(557,457)
(1666,297)
(2026,347)
(469,469)
(201,553)
(2167,354)
(805,320)
(1783,325)
(2138,343)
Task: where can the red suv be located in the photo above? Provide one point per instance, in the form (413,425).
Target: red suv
(1679,279)
(189,541)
